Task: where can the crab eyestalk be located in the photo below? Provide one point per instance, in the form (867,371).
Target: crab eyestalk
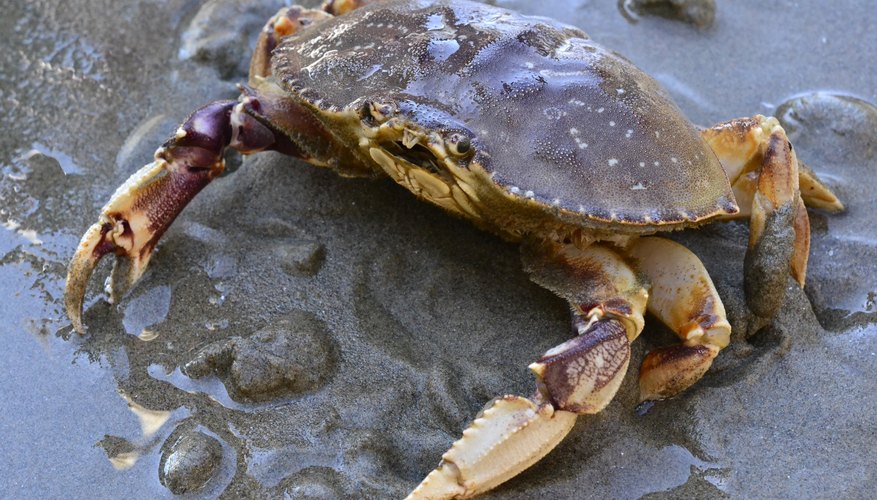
(142,208)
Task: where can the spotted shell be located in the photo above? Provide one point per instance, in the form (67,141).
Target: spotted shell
(552,116)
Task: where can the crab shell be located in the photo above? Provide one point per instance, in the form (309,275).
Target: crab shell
(522,124)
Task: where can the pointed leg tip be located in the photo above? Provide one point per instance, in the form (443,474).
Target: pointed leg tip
(670,370)
(816,193)
(78,327)
(800,277)
(829,204)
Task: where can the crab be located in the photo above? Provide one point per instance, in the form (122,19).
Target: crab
(530,130)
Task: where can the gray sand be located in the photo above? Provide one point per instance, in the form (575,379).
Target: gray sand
(415,319)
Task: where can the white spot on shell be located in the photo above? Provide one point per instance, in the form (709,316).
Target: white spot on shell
(600,110)
(642,164)
(573,131)
(620,91)
(529,194)
(629,133)
(553,113)
(555,201)
(611,124)
(529,65)
(638,186)
(674,159)
(613,161)
(514,190)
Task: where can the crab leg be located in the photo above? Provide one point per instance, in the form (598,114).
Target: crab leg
(772,189)
(577,377)
(286,22)
(685,299)
(140,211)
(341,7)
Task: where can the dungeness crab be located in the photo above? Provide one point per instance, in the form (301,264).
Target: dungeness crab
(530,130)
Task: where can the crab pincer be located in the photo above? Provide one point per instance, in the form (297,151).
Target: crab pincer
(141,210)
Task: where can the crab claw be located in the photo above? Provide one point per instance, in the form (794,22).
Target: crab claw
(124,229)
(131,224)
(140,211)
(510,435)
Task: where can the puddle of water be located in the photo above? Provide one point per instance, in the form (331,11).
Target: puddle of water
(57,406)
(640,471)
(147,309)
(441,50)
(212,386)
(270,466)
(65,161)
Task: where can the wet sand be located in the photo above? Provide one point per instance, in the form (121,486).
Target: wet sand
(409,320)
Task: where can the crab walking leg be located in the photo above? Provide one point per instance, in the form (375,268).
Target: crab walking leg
(685,299)
(141,209)
(607,300)
(286,22)
(739,145)
(341,7)
(815,193)
(577,377)
(771,188)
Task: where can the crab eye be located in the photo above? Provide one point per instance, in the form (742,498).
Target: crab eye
(375,112)
(365,113)
(381,111)
(459,144)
